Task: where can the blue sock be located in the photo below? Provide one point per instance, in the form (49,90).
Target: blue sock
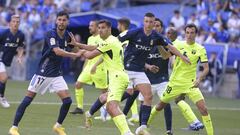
(145,113)
(64,109)
(96,106)
(21,109)
(129,102)
(125,96)
(168,117)
(2,89)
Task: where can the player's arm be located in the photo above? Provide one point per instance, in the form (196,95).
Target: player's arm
(204,61)
(80,45)
(173,49)
(202,75)
(91,54)
(94,67)
(151,68)
(60,52)
(164,53)
(20,49)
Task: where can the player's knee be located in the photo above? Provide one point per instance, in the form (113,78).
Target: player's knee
(111,107)
(78,85)
(103,98)
(148,97)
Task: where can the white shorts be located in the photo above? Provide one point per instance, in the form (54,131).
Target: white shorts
(136,78)
(2,67)
(156,89)
(40,84)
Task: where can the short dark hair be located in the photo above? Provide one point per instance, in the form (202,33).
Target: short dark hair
(107,22)
(159,20)
(176,11)
(191,26)
(124,21)
(149,14)
(63,13)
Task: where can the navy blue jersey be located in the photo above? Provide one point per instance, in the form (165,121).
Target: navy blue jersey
(139,47)
(9,44)
(50,63)
(162,75)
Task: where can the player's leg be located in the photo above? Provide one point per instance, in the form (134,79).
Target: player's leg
(3,81)
(60,87)
(84,78)
(168,95)
(116,89)
(37,84)
(94,108)
(187,112)
(197,97)
(159,88)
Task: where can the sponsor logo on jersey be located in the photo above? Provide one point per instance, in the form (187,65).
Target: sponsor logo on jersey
(155,55)
(141,47)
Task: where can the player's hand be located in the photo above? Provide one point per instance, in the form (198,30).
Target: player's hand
(153,68)
(93,70)
(73,40)
(196,83)
(80,53)
(186,60)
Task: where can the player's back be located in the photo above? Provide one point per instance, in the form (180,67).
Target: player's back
(185,74)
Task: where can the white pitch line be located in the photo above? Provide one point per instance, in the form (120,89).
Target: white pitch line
(87,104)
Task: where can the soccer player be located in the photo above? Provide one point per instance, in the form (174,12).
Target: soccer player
(130,94)
(160,77)
(141,41)
(112,52)
(183,79)
(93,72)
(12,43)
(49,74)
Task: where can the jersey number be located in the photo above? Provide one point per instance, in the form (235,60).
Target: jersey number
(169,89)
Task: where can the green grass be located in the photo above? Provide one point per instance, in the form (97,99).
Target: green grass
(39,118)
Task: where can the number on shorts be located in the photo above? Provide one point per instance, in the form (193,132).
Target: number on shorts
(169,89)
(40,80)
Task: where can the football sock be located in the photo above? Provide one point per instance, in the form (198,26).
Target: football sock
(66,103)
(208,124)
(168,117)
(79,93)
(145,113)
(121,123)
(187,111)
(21,109)
(134,108)
(95,107)
(2,89)
(125,96)
(130,102)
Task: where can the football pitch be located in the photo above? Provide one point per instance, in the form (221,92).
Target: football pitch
(41,115)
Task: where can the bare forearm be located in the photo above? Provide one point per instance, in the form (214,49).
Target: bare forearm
(204,72)
(86,47)
(164,53)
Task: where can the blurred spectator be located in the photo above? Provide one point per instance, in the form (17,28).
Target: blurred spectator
(233,25)
(178,21)
(202,5)
(211,38)
(215,70)
(193,20)
(201,36)
(237,68)
(222,34)
(34,17)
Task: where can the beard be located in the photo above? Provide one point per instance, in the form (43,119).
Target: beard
(61,28)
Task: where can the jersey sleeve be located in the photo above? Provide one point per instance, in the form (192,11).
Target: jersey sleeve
(22,41)
(126,36)
(203,55)
(104,47)
(51,39)
(161,40)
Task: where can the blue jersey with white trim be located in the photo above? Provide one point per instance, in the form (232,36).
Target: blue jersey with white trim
(9,43)
(50,63)
(155,58)
(139,47)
